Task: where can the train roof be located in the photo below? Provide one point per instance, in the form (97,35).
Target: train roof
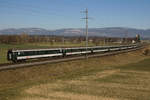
(35,49)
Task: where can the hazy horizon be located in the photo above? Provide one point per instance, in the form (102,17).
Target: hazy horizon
(74,28)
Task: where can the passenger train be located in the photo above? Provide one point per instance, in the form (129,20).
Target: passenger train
(21,55)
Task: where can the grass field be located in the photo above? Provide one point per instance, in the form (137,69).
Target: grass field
(106,78)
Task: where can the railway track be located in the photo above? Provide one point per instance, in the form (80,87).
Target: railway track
(29,64)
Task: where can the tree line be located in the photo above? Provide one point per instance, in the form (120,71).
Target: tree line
(25,38)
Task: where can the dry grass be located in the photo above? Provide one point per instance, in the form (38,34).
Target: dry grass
(95,78)
(96,87)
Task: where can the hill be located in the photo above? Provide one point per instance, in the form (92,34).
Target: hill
(108,32)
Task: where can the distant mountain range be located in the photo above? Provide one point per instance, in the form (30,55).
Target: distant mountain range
(108,32)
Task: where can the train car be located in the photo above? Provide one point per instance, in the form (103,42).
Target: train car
(77,51)
(19,55)
(72,51)
(114,48)
(100,49)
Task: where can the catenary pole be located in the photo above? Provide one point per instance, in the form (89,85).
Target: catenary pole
(86,19)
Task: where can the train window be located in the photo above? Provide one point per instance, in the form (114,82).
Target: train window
(75,50)
(21,53)
(57,51)
(18,53)
(28,53)
(52,51)
(68,50)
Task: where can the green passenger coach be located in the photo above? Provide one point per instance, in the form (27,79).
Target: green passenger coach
(18,55)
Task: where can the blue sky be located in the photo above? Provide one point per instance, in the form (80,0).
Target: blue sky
(56,14)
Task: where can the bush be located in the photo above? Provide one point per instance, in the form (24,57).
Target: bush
(146,52)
